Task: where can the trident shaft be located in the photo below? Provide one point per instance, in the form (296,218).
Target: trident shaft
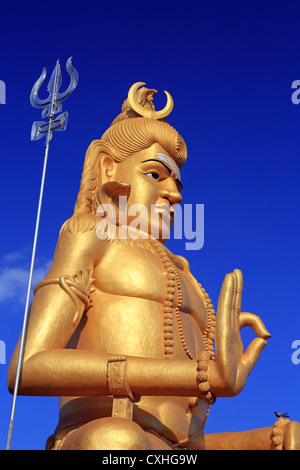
(50,106)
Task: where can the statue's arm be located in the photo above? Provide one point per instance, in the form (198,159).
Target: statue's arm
(283,435)
(49,368)
(54,316)
(255,439)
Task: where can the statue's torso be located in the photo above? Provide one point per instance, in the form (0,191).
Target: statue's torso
(127,318)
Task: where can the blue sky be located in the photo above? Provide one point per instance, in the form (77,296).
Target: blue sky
(229,67)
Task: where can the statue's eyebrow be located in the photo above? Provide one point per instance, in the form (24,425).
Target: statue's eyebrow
(169,170)
(159,161)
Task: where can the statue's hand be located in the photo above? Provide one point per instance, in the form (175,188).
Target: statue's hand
(285,435)
(291,436)
(233,366)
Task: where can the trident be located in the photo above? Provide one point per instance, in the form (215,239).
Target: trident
(50,106)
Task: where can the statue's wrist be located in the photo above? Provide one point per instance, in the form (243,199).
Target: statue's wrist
(117,378)
(278,433)
(203,379)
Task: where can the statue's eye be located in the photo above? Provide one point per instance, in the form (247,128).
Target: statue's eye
(153,175)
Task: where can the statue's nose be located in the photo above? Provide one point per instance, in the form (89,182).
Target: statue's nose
(171,192)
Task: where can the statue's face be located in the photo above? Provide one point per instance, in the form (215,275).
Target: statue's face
(155,187)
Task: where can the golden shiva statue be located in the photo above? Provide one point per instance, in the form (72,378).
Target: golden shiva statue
(119,328)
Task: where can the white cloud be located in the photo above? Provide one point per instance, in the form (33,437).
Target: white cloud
(14,276)
(16,256)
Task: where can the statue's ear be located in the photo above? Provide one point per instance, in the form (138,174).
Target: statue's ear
(110,190)
(107,168)
(99,168)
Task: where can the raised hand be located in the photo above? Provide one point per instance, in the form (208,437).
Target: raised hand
(232,364)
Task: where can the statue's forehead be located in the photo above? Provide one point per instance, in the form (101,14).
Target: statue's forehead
(156,152)
(169,162)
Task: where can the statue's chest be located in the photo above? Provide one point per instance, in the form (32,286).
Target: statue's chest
(131,271)
(152,296)
(139,272)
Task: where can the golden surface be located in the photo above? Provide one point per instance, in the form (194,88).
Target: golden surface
(127,318)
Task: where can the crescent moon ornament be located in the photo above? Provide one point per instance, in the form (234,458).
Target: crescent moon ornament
(148,112)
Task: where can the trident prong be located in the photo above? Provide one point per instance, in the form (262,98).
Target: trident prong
(73,82)
(37,102)
(51,106)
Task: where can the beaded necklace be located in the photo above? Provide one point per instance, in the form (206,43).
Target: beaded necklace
(173,284)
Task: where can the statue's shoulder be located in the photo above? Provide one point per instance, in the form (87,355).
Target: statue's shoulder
(78,234)
(80,223)
(181,262)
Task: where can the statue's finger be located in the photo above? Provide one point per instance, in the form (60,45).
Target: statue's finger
(234,312)
(249,319)
(252,353)
(248,361)
(225,300)
(239,290)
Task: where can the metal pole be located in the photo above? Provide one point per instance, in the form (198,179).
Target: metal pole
(22,341)
(23,335)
